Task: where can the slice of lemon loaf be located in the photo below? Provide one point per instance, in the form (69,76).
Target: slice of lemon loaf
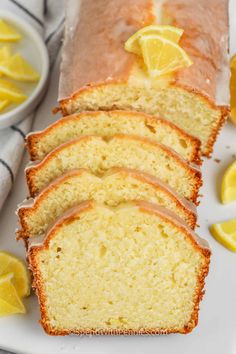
(132,269)
(109,123)
(119,185)
(99,154)
(102,75)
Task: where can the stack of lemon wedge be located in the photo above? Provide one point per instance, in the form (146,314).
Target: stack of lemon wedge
(14,284)
(225,232)
(158,46)
(13,67)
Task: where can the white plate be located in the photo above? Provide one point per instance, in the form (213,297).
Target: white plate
(32,47)
(216,332)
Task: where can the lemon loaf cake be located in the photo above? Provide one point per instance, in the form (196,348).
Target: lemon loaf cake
(132,269)
(102,75)
(99,154)
(109,123)
(117,186)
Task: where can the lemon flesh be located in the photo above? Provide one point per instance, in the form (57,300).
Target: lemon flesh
(162,56)
(169,32)
(225,233)
(10,301)
(4,104)
(17,68)
(20,280)
(228,186)
(5,53)
(8,33)
(8,91)
(233,89)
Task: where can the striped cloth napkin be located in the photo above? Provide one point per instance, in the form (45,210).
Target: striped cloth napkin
(47,16)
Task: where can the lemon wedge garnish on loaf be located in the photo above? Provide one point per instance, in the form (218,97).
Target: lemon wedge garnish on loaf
(10,302)
(228,187)
(233,89)
(8,33)
(17,68)
(158,46)
(225,233)
(11,264)
(162,56)
(9,91)
(169,32)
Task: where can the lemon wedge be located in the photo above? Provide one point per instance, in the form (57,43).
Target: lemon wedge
(4,104)
(13,265)
(17,68)
(5,53)
(225,233)
(8,91)
(8,33)
(169,32)
(228,186)
(10,301)
(233,89)
(162,56)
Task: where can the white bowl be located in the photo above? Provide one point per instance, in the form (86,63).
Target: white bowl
(32,47)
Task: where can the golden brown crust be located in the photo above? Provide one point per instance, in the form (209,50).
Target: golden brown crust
(32,138)
(207,150)
(224,113)
(145,207)
(209,54)
(30,172)
(102,54)
(216,131)
(30,142)
(24,212)
(208,77)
